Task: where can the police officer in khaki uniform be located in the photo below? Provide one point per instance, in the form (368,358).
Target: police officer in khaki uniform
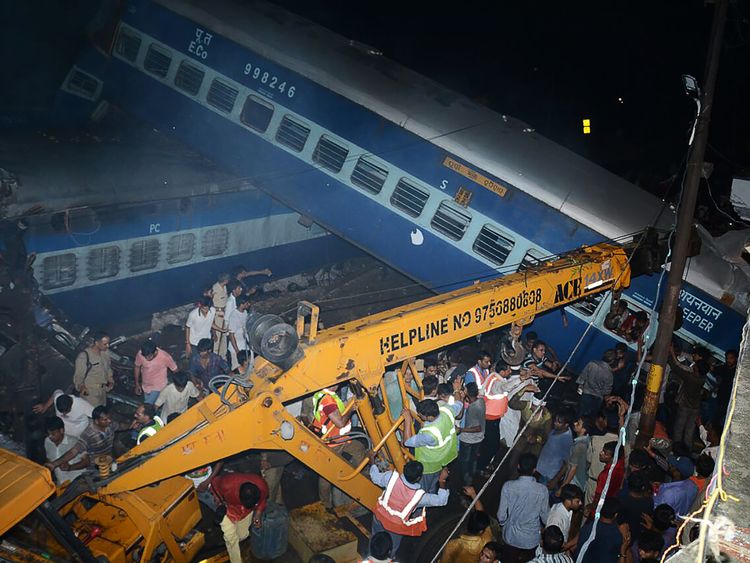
(93,372)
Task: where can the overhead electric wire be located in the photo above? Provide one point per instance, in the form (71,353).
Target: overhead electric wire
(528,422)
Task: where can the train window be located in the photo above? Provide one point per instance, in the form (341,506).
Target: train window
(222,96)
(493,244)
(330,154)
(189,78)
(409,198)
(157,60)
(292,133)
(451,220)
(627,320)
(59,271)
(128,44)
(532,259)
(256,113)
(180,248)
(588,305)
(83,84)
(369,175)
(215,241)
(103,262)
(144,255)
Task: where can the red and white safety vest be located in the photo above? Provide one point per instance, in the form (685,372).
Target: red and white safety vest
(395,506)
(495,404)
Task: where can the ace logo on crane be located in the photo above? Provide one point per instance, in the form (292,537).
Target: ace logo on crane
(568,290)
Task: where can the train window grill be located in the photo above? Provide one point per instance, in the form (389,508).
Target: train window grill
(451,220)
(157,60)
(368,175)
(532,259)
(292,133)
(144,255)
(215,241)
(493,244)
(409,198)
(128,44)
(103,262)
(83,84)
(256,113)
(222,96)
(330,154)
(180,248)
(59,271)
(588,305)
(189,78)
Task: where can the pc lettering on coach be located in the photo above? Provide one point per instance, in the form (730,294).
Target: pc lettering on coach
(698,313)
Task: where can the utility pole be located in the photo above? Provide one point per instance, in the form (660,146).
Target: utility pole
(682,233)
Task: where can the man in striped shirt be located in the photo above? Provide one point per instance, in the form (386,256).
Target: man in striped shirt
(551,548)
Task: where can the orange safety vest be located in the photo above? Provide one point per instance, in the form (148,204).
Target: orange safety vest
(479,375)
(395,506)
(495,404)
(321,422)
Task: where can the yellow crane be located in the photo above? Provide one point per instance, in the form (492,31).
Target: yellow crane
(147,505)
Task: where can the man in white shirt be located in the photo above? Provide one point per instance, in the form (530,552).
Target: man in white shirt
(174,398)
(56,444)
(75,412)
(198,324)
(561,514)
(237,322)
(234,289)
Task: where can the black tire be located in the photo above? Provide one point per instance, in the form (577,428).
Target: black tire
(278,343)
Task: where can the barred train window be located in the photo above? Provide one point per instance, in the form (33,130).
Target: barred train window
(103,262)
(409,197)
(450,220)
(157,60)
(256,113)
(292,133)
(369,175)
(180,248)
(532,258)
(189,78)
(330,154)
(144,255)
(222,96)
(128,44)
(83,84)
(59,271)
(493,244)
(215,241)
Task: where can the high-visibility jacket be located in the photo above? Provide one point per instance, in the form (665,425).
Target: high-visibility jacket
(321,422)
(150,430)
(480,375)
(496,404)
(434,458)
(395,506)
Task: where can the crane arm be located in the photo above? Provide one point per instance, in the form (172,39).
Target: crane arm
(358,352)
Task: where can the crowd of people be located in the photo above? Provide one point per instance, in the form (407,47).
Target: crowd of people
(560,436)
(565,455)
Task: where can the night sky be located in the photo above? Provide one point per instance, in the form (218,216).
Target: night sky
(548,63)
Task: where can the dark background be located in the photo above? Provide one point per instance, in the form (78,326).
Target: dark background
(549,63)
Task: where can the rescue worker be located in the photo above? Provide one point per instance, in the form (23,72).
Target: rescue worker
(146,422)
(332,423)
(219,328)
(93,371)
(397,510)
(480,372)
(241,499)
(495,406)
(436,443)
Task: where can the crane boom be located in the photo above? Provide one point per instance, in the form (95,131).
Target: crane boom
(358,353)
